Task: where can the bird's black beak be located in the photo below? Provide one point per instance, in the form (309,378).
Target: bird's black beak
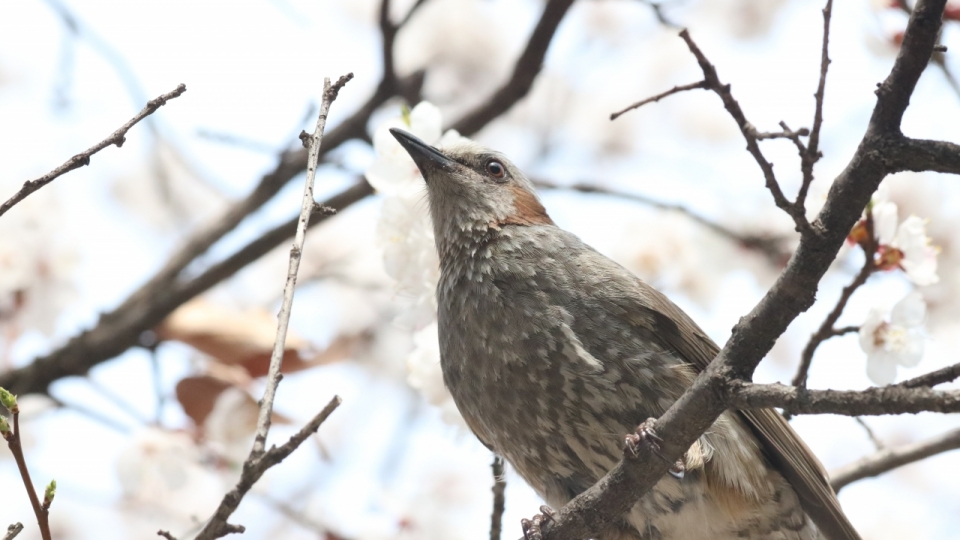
(425,156)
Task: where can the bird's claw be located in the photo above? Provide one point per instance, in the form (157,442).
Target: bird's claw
(532,527)
(678,469)
(644,435)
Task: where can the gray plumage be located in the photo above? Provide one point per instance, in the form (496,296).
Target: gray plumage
(553,353)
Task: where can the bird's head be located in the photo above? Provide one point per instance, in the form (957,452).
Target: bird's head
(472,189)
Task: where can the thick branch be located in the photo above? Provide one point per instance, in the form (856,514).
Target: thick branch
(924,155)
(117,138)
(120,329)
(792,293)
(888,459)
(870,402)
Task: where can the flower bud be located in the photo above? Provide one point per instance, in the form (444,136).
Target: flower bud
(9,400)
(49,493)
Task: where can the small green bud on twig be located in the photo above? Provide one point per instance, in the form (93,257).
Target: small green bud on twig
(4,427)
(9,400)
(49,493)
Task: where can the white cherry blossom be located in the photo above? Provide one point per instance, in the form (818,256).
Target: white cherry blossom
(899,341)
(905,246)
(405,233)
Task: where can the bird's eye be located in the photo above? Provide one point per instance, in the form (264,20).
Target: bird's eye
(496,169)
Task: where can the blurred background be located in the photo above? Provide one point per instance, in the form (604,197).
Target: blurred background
(152,438)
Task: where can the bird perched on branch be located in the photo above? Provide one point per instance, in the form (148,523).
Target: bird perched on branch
(553,353)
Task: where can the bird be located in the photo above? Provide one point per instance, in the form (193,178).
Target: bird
(552,352)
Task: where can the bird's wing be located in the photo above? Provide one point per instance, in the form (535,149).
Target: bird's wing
(782,445)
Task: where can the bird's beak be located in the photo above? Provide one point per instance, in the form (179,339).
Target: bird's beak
(425,156)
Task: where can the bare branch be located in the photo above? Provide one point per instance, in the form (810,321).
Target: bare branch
(13,531)
(259,459)
(253,469)
(888,459)
(869,402)
(40,510)
(117,138)
(940,376)
(750,134)
(812,154)
(793,292)
(827,330)
(653,99)
(877,443)
(499,485)
(525,70)
(922,155)
(166,534)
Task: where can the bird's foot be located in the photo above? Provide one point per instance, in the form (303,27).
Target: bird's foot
(643,436)
(532,527)
(678,469)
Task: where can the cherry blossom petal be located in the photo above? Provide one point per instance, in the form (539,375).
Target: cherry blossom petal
(885,222)
(881,368)
(920,258)
(910,311)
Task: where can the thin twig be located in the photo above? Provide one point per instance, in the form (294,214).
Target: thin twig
(166,534)
(13,531)
(812,154)
(750,134)
(251,472)
(827,330)
(888,459)
(877,443)
(653,99)
(772,247)
(117,138)
(259,459)
(13,442)
(499,503)
(940,376)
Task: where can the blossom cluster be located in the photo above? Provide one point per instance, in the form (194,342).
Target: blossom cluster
(897,339)
(405,234)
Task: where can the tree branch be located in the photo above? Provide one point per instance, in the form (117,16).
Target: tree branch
(658,97)
(792,293)
(772,247)
(811,155)
(940,376)
(888,459)
(13,531)
(525,70)
(499,486)
(253,469)
(121,328)
(924,155)
(117,138)
(869,402)
(827,330)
